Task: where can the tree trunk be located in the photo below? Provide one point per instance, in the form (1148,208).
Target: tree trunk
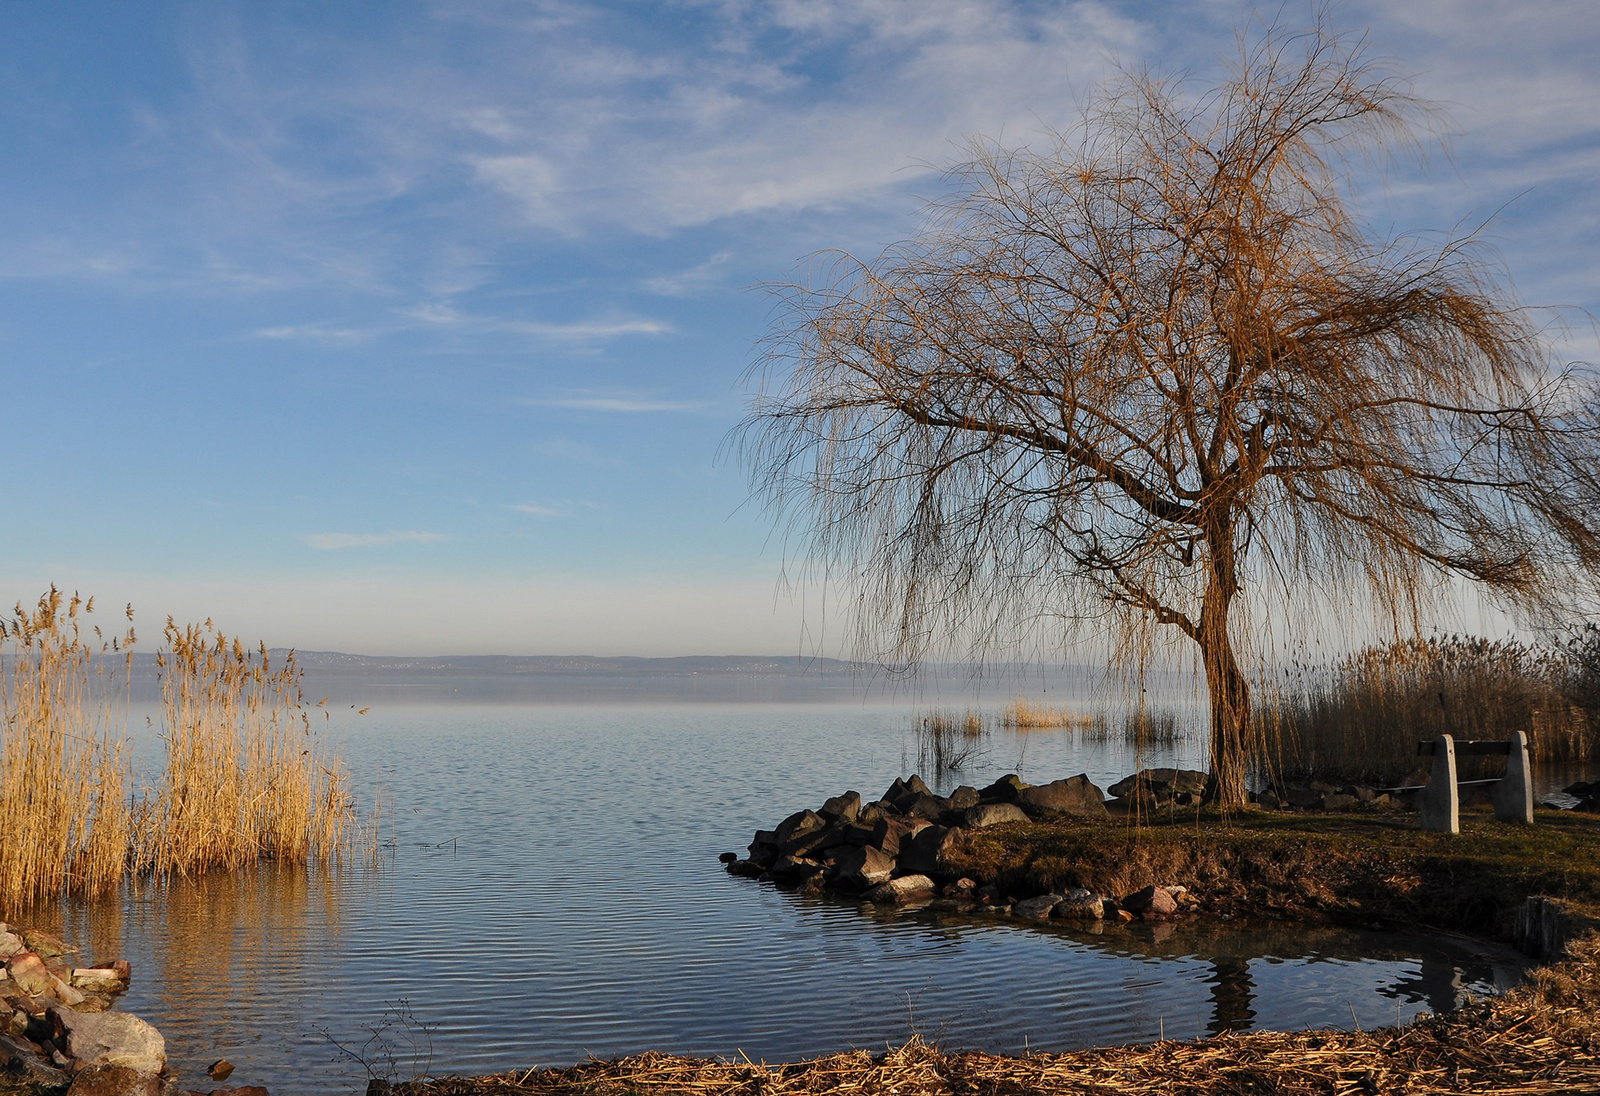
(1228,689)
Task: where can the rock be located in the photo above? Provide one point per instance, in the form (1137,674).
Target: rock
(846,807)
(985,815)
(871,815)
(904,889)
(1268,799)
(928,807)
(1578,790)
(220,1070)
(1079,905)
(764,848)
(45,945)
(929,850)
(1338,801)
(722,858)
(1302,797)
(64,993)
(11,944)
(113,1039)
(21,1061)
(801,822)
(1037,909)
(964,797)
(252,1090)
(1003,790)
(1074,795)
(889,834)
(746,869)
(862,867)
(1153,903)
(107,1080)
(1161,784)
(815,842)
(28,971)
(792,869)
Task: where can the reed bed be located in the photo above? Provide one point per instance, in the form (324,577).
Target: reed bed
(1023,715)
(1362,720)
(1541,1038)
(948,743)
(242,775)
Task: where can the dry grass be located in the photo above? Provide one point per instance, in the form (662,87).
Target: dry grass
(243,777)
(948,743)
(1541,1038)
(1023,715)
(1362,721)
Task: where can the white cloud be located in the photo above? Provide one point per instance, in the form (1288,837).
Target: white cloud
(618,402)
(535,509)
(583,330)
(696,279)
(336,541)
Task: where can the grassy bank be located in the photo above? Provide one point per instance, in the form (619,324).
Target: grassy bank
(1348,868)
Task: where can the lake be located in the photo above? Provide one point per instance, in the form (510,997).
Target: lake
(550,890)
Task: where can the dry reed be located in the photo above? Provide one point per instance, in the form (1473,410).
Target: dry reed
(1023,715)
(243,777)
(1362,720)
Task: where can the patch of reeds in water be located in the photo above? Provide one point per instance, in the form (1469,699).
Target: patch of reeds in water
(1024,715)
(1362,719)
(242,777)
(948,743)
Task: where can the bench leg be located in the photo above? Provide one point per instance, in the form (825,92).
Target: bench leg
(1513,796)
(1440,802)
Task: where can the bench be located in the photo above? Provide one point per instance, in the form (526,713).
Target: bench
(1440,801)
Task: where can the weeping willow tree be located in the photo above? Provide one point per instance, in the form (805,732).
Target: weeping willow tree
(1124,378)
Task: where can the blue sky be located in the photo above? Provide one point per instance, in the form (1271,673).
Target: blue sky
(403,327)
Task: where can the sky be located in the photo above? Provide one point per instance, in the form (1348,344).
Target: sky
(410,328)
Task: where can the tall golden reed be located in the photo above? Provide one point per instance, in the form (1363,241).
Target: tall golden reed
(242,778)
(1024,715)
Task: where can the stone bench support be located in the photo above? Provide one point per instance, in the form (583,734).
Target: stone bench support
(1440,802)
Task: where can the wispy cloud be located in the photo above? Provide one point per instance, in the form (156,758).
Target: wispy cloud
(697,279)
(584,330)
(314,333)
(335,541)
(535,509)
(627,403)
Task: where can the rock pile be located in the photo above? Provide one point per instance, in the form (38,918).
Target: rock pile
(899,849)
(1586,794)
(57,1034)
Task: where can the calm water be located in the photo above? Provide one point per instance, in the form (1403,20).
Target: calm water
(552,892)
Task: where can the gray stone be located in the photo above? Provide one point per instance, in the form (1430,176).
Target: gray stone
(846,806)
(930,807)
(889,834)
(1152,903)
(1338,801)
(114,1081)
(1037,909)
(747,869)
(1073,795)
(871,815)
(1163,784)
(1080,905)
(112,1039)
(1004,790)
(906,888)
(11,944)
(964,797)
(28,971)
(985,815)
(929,851)
(791,869)
(21,1061)
(860,867)
(813,842)
(800,822)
